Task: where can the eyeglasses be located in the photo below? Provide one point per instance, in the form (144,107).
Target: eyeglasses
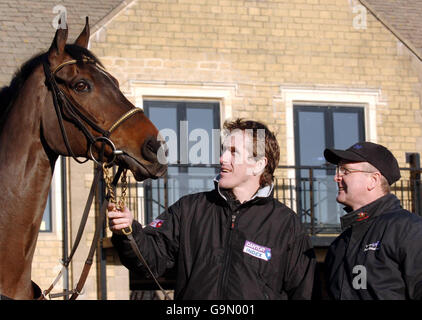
(343,171)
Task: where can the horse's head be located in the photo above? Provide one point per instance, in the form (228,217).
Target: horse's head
(92,104)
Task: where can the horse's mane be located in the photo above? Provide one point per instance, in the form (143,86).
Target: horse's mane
(8,94)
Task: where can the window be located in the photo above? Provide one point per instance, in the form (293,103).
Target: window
(52,217)
(46,219)
(317,128)
(191,132)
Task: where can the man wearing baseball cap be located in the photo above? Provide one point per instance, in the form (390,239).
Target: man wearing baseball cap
(378,255)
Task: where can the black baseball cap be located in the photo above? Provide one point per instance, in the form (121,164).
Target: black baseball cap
(377,155)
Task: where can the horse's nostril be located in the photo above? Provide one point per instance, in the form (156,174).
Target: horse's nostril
(166,149)
(150,146)
(150,149)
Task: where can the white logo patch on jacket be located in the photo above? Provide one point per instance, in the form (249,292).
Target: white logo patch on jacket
(372,246)
(157,223)
(257,251)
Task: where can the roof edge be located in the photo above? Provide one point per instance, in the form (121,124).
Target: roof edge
(112,14)
(392,29)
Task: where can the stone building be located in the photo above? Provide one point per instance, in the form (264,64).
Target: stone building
(320,73)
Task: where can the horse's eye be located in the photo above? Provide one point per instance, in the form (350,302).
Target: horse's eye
(81,86)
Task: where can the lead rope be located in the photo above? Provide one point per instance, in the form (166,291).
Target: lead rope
(107,178)
(99,226)
(120,205)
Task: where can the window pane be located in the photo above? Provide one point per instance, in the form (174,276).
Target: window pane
(46,219)
(192,123)
(164,118)
(200,126)
(319,128)
(346,129)
(311,138)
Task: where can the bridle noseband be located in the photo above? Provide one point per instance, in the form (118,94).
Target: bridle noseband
(64,103)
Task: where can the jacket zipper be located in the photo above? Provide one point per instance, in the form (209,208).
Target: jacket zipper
(233,220)
(227,259)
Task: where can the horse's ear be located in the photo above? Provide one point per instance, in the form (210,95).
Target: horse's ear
(59,42)
(83,38)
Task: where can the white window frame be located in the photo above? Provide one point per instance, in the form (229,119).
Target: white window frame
(366,98)
(294,95)
(143,90)
(224,93)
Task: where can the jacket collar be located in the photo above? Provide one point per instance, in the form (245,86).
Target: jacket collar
(264,192)
(384,204)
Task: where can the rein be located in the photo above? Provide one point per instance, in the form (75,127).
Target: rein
(63,103)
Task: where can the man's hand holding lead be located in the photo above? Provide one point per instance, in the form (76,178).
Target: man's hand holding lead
(118,220)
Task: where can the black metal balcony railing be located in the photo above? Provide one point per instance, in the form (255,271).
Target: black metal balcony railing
(309,191)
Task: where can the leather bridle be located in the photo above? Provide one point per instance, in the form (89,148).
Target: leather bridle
(63,103)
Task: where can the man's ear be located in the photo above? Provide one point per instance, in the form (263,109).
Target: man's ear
(374,181)
(260,166)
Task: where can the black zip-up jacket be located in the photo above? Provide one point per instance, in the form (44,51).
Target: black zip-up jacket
(214,241)
(378,255)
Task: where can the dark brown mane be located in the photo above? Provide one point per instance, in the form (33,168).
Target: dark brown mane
(9,93)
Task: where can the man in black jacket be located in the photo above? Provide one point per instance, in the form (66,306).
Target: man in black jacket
(234,242)
(379,253)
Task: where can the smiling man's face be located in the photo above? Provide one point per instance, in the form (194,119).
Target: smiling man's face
(353,184)
(238,167)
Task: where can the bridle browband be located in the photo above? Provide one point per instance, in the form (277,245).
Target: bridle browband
(63,103)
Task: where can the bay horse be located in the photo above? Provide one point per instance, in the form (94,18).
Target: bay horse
(32,136)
